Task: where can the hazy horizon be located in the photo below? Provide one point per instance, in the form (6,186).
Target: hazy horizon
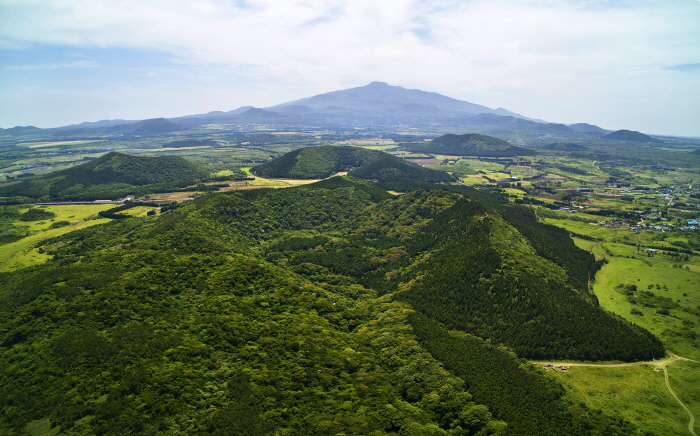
(618,64)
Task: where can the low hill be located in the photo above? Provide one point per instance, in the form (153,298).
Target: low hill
(470,145)
(321,162)
(586,128)
(20,130)
(112,175)
(316,162)
(388,166)
(631,135)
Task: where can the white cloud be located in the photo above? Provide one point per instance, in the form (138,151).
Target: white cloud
(539,57)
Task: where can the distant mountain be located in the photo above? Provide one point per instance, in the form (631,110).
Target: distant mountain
(20,130)
(631,135)
(513,124)
(110,176)
(384,100)
(321,162)
(587,128)
(214,117)
(146,127)
(470,145)
(99,124)
(376,105)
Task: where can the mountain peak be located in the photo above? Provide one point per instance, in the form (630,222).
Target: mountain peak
(377,84)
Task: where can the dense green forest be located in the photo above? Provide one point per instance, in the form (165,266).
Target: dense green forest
(110,176)
(321,162)
(316,162)
(469,145)
(290,312)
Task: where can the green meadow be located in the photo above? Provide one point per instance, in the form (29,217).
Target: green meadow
(21,253)
(638,393)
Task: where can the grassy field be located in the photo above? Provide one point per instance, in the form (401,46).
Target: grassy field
(20,254)
(50,144)
(638,393)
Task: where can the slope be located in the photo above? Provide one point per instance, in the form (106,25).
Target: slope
(631,135)
(520,289)
(382,99)
(470,145)
(316,162)
(252,311)
(320,162)
(109,176)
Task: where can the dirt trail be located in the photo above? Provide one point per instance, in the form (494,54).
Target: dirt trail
(691,423)
(658,363)
(662,362)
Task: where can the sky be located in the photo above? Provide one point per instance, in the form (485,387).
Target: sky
(618,64)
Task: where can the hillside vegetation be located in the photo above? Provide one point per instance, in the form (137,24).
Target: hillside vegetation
(631,135)
(470,145)
(320,309)
(110,176)
(321,162)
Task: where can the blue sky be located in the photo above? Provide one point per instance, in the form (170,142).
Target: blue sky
(620,64)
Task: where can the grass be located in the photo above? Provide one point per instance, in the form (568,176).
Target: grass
(20,254)
(637,393)
(49,144)
(584,244)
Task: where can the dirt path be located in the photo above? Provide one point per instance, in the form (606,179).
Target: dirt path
(658,363)
(662,363)
(599,245)
(691,423)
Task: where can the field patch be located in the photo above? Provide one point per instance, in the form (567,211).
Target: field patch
(21,253)
(638,393)
(50,144)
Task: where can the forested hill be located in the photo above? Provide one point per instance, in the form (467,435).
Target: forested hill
(319,309)
(470,145)
(321,162)
(631,135)
(316,162)
(110,176)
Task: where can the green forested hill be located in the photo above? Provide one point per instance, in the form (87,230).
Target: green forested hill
(316,162)
(631,135)
(392,167)
(321,162)
(109,176)
(470,145)
(314,310)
